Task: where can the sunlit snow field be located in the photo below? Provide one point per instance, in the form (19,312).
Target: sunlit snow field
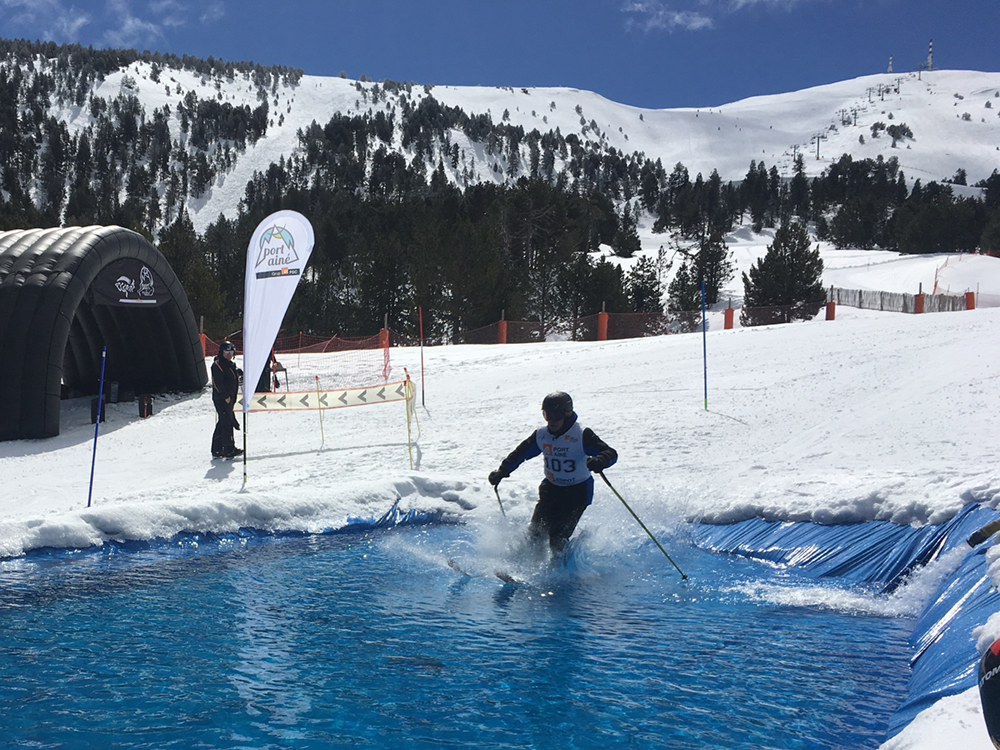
(870,416)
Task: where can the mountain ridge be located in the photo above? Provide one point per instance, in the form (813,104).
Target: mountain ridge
(954,117)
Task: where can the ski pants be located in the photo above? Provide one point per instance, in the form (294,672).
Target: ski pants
(559,510)
(222,439)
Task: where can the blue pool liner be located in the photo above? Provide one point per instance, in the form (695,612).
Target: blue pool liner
(945,660)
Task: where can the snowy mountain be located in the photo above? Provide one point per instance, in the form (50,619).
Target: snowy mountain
(954,118)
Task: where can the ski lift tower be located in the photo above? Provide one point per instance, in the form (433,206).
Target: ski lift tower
(930,56)
(890,64)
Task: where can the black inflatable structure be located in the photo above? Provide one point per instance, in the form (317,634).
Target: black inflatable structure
(64,295)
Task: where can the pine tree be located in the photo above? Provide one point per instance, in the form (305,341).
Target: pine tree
(183,249)
(714,265)
(789,276)
(684,293)
(649,184)
(643,287)
(989,242)
(81,208)
(626,241)
(798,193)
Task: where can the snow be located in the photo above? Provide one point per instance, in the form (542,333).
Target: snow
(952,722)
(772,129)
(870,416)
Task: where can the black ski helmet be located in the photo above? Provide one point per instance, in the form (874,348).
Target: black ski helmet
(989,689)
(557,403)
(227,346)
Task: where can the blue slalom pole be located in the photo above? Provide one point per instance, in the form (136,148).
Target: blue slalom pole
(97,423)
(704,341)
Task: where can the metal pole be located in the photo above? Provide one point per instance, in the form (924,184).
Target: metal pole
(636,517)
(496,489)
(704,341)
(319,408)
(420,311)
(246,418)
(97,423)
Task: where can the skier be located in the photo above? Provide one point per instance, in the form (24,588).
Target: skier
(571,452)
(225,387)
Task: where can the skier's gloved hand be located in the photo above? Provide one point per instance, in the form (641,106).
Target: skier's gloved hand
(597,464)
(497,476)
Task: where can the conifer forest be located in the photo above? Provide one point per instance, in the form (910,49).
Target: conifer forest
(394,229)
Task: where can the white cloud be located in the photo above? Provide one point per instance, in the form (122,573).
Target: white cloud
(43,19)
(116,23)
(129,31)
(736,5)
(70,25)
(213,11)
(171,13)
(654,15)
(691,15)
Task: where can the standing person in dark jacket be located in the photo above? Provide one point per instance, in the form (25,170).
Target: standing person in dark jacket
(571,453)
(225,389)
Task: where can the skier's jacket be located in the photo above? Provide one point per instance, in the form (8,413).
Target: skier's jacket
(565,453)
(225,381)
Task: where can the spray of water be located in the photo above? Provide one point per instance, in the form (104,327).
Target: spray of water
(908,600)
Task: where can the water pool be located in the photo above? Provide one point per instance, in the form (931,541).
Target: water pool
(370,640)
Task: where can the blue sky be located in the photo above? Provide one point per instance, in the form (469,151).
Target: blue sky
(649,53)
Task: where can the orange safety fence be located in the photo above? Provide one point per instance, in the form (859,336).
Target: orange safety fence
(612,326)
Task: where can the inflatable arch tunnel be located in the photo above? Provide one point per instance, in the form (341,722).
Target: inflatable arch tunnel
(65,294)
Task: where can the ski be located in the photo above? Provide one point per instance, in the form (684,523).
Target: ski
(457,568)
(506,577)
(502,575)
(226,457)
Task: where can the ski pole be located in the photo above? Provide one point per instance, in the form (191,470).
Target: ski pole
(496,489)
(683,576)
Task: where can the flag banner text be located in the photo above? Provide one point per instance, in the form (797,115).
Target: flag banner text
(276,258)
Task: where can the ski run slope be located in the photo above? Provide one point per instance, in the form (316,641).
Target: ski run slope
(870,416)
(954,117)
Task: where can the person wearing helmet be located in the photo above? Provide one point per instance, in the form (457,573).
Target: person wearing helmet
(225,388)
(571,452)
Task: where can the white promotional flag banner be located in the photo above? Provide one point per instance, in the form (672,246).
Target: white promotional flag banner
(278,253)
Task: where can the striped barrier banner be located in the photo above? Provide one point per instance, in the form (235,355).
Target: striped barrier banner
(321,400)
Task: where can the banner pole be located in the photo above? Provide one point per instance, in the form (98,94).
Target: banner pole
(319,408)
(704,341)
(246,418)
(97,423)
